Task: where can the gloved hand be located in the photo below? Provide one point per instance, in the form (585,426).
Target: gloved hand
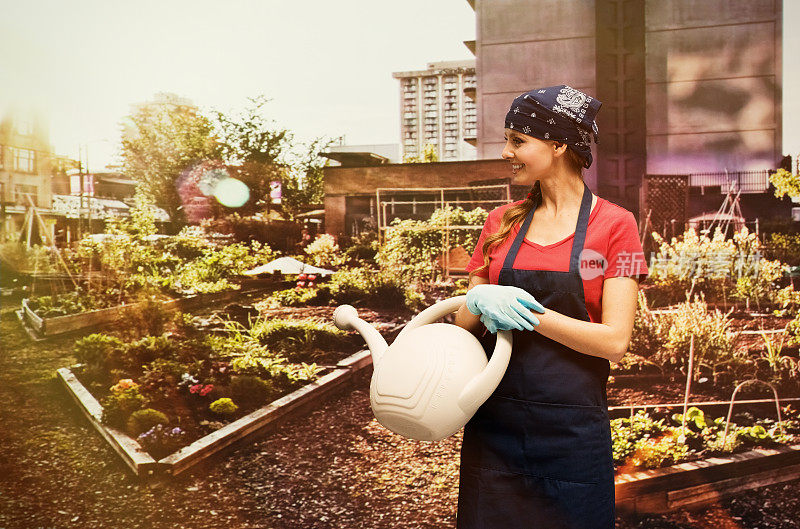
(503,307)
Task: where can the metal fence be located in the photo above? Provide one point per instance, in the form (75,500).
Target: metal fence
(746,181)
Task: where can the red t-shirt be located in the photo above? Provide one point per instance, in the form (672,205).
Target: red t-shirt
(612,239)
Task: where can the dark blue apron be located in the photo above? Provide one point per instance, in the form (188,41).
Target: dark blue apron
(537,454)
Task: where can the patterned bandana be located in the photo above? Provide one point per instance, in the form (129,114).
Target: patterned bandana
(559,113)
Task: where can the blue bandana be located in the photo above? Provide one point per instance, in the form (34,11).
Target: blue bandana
(559,113)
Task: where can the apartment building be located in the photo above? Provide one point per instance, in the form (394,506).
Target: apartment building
(437,108)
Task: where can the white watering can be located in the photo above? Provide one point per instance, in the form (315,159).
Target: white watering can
(433,378)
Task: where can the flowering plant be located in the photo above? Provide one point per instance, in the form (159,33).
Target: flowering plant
(122,385)
(200,389)
(161,440)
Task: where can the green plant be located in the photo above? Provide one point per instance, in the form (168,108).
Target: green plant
(161,377)
(223,406)
(96,348)
(285,335)
(324,251)
(142,420)
(148,349)
(251,391)
(412,247)
(714,345)
(119,405)
(303,372)
(292,297)
(370,287)
(650,330)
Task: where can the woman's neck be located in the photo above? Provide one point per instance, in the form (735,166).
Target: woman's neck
(561,194)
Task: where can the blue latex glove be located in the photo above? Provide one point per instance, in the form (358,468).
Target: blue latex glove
(503,307)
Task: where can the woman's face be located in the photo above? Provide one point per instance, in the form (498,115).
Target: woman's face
(531,158)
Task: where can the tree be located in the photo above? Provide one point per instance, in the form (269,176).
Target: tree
(161,140)
(260,152)
(257,149)
(785,183)
(303,183)
(429,154)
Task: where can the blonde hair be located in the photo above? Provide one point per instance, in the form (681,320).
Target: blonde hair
(516,213)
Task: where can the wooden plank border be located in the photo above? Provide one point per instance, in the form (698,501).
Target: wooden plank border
(57,325)
(128,448)
(701,482)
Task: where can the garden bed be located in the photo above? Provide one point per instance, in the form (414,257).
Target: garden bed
(41,328)
(258,422)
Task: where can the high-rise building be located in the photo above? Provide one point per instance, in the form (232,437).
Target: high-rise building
(437,108)
(688,86)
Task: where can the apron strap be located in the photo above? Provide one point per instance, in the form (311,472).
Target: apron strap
(577,241)
(580,230)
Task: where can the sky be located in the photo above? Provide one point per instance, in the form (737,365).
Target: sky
(326,65)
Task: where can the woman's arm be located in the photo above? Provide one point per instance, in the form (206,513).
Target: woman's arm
(609,339)
(466,319)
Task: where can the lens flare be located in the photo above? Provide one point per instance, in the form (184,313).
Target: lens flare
(231,192)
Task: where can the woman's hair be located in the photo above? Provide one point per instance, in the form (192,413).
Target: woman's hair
(516,213)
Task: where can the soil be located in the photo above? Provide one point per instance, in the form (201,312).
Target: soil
(333,468)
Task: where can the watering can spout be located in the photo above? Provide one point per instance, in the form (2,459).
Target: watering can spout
(484,383)
(345,317)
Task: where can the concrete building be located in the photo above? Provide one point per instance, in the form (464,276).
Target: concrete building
(687,86)
(437,108)
(25,175)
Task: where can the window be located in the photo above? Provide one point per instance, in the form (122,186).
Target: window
(24,127)
(24,160)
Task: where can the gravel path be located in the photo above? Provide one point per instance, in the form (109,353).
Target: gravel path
(335,468)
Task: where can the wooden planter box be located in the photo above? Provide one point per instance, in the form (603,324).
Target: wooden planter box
(46,327)
(688,485)
(262,420)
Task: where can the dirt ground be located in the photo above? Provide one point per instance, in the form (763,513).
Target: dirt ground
(334,468)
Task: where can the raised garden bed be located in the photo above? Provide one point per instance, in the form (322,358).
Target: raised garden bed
(246,428)
(697,483)
(41,328)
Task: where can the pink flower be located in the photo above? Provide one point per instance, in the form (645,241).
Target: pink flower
(206,390)
(195,388)
(122,385)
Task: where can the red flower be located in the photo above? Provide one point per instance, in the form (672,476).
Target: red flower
(206,390)
(195,388)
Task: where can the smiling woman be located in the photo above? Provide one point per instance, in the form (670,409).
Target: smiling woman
(538,452)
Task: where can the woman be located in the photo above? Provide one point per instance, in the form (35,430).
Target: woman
(560,269)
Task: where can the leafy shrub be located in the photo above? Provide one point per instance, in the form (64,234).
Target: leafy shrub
(142,420)
(148,349)
(96,348)
(370,287)
(119,405)
(713,345)
(223,406)
(324,251)
(363,248)
(161,440)
(412,247)
(303,335)
(784,247)
(160,378)
(251,391)
(649,330)
(291,297)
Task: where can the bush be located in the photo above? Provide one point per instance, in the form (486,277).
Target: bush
(412,247)
(148,349)
(119,405)
(160,378)
(289,335)
(370,287)
(363,248)
(292,297)
(251,391)
(713,345)
(649,331)
(324,251)
(142,420)
(224,406)
(95,349)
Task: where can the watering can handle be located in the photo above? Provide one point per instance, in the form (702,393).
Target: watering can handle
(433,313)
